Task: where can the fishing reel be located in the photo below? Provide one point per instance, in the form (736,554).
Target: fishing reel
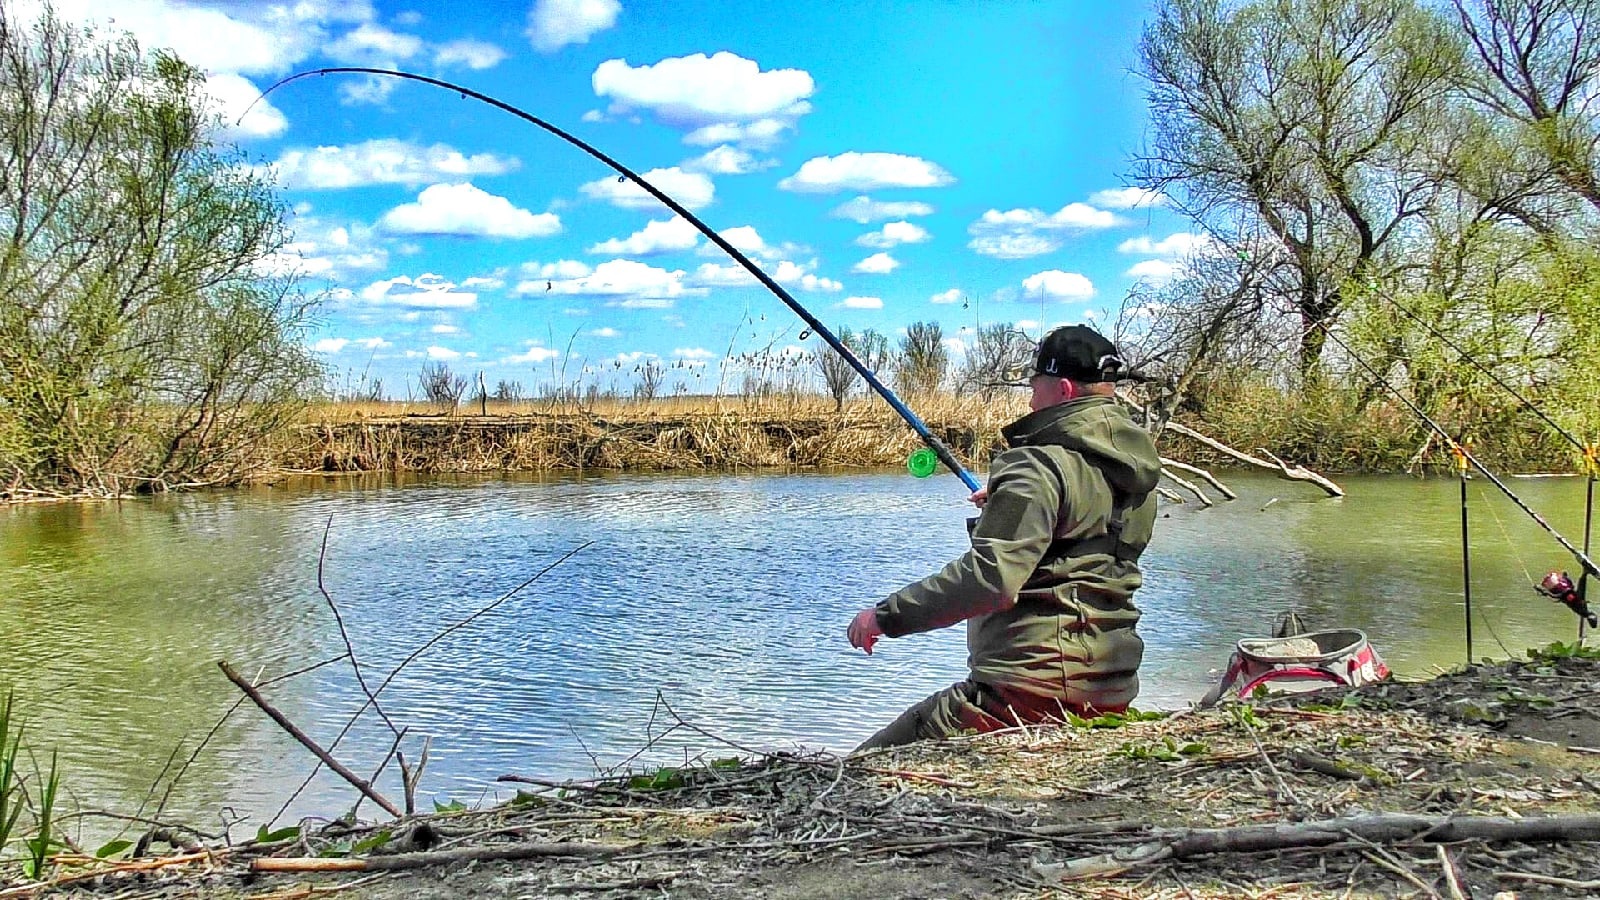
(1558,586)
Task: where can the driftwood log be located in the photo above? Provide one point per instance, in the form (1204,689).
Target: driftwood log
(1379,828)
(1284,470)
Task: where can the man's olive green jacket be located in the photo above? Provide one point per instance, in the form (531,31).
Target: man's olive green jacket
(1047,588)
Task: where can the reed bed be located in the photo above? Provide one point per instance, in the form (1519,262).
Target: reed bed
(693,433)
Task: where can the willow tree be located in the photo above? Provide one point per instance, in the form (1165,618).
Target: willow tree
(144,341)
(1298,122)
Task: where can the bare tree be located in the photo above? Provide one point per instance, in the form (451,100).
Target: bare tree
(508,391)
(651,374)
(924,359)
(838,376)
(997,352)
(441,387)
(1303,116)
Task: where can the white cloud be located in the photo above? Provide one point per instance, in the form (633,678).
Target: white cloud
(248,39)
(445,328)
(606,332)
(320,250)
(443,354)
(1127,198)
(692,189)
(374,343)
(714,275)
(329,345)
(1020,233)
(1155,271)
(231,95)
(877,264)
(593,115)
(865,172)
(657,237)
(693,353)
(760,134)
(725,97)
(383,161)
(860,303)
(727,160)
(466,211)
(532,354)
(786,272)
(470,53)
(427,291)
(1173,246)
(370,44)
(553,24)
(949,296)
(488,284)
(893,234)
(627,282)
(1057,285)
(864,209)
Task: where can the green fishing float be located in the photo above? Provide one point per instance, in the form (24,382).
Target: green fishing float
(922,462)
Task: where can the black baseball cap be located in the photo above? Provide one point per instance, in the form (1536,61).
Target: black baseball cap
(1080,353)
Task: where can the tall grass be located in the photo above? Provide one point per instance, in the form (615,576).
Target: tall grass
(14,798)
(11,796)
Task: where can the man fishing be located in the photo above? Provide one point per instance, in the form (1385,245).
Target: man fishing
(1047,586)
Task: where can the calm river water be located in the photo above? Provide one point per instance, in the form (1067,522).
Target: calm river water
(723,597)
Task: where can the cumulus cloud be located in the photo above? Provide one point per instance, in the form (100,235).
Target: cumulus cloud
(426,291)
(656,237)
(383,161)
(321,250)
(693,353)
(329,345)
(949,296)
(443,354)
(724,98)
(1155,271)
(483,283)
(553,24)
(1172,246)
(231,95)
(876,264)
(370,44)
(1127,198)
(864,209)
(625,282)
(893,234)
(445,328)
(466,211)
(606,332)
(1057,285)
(467,52)
(1020,233)
(786,272)
(692,189)
(860,303)
(727,160)
(533,353)
(865,172)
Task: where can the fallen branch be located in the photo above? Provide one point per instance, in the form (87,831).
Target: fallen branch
(305,741)
(1289,473)
(1213,480)
(1188,486)
(1378,828)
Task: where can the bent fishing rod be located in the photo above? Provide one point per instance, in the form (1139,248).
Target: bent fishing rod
(928,437)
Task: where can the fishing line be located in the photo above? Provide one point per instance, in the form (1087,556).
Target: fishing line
(1582,557)
(938,447)
(1532,407)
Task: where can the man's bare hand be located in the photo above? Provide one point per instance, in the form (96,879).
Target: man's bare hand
(979,497)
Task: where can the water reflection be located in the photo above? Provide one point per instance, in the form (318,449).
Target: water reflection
(722,597)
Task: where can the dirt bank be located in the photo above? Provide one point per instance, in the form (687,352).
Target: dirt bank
(1476,762)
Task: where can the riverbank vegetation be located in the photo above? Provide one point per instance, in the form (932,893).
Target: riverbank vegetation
(145,342)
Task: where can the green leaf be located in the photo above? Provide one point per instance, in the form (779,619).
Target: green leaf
(112,849)
(452,806)
(263,836)
(372,842)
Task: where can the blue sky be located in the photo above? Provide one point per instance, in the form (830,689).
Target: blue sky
(887,162)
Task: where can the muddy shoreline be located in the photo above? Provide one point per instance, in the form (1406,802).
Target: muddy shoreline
(1466,766)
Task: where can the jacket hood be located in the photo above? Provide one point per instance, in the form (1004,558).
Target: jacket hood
(1098,427)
